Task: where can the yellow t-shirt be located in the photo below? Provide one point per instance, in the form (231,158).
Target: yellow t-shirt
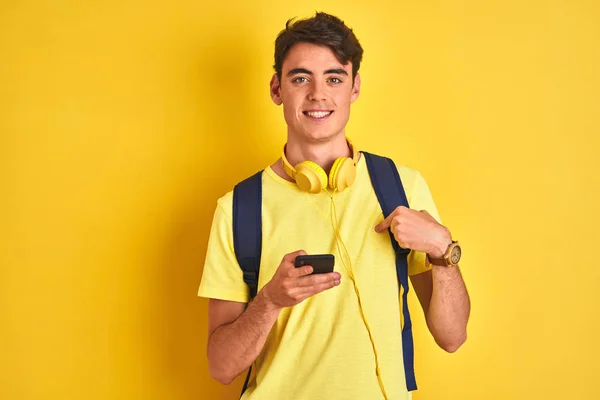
(320,349)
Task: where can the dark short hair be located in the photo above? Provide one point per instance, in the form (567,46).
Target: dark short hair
(323,30)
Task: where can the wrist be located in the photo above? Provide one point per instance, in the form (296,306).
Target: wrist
(266,301)
(451,256)
(440,247)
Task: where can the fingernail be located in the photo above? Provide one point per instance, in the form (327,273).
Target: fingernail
(337,283)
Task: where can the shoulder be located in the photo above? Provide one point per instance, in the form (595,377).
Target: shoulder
(417,190)
(411,178)
(412,181)
(225,202)
(408,175)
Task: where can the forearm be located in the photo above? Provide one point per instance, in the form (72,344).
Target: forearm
(449,308)
(232,348)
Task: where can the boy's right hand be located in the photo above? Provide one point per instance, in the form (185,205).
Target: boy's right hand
(290,285)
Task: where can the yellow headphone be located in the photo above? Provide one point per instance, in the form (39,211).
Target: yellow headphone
(310,177)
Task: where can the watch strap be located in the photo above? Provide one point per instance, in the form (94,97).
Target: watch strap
(441,262)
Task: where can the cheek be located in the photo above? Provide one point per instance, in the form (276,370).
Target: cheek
(290,111)
(342,105)
(342,101)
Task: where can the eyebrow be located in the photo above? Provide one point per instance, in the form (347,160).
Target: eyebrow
(295,71)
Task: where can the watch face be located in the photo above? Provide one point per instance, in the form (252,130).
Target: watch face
(455,255)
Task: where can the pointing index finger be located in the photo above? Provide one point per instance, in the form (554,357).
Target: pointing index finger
(385,224)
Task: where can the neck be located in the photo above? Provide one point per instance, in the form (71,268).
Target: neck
(323,153)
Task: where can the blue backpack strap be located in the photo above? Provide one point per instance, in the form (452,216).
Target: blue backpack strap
(247,228)
(390,193)
(247,234)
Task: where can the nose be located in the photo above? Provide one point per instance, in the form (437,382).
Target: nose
(317,91)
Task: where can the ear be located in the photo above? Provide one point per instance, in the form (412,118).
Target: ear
(355,89)
(276,90)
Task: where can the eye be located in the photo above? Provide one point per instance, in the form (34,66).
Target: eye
(300,79)
(335,80)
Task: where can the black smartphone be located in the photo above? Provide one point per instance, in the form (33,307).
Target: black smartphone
(321,263)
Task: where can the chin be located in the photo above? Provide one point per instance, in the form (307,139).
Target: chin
(321,135)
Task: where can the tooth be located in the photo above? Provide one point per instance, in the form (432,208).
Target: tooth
(319,114)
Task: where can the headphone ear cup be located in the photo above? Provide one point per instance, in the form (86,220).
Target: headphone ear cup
(310,177)
(333,173)
(343,174)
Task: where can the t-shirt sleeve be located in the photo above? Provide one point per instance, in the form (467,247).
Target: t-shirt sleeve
(421,199)
(222,277)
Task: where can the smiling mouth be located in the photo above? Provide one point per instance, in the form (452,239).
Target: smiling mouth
(317,114)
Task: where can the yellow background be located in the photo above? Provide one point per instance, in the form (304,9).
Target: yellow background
(121,123)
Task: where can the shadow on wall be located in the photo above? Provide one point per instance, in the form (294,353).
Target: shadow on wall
(228,123)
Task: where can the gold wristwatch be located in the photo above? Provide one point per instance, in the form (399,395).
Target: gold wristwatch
(450,258)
